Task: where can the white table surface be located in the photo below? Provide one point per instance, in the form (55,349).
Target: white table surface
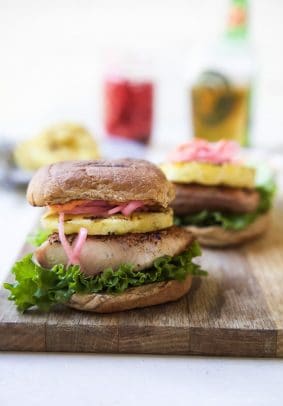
(70,379)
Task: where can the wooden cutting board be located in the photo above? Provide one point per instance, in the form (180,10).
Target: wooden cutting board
(237,310)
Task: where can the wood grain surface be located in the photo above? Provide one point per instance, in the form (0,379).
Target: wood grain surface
(237,311)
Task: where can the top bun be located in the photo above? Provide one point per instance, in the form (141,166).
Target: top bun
(118,180)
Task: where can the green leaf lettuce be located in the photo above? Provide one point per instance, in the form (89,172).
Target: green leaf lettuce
(43,288)
(38,237)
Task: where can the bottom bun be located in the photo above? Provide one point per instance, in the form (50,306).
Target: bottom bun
(141,296)
(216,236)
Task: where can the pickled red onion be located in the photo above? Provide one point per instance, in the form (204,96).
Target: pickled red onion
(203,151)
(78,245)
(116,209)
(96,208)
(73,254)
(74,204)
(95,211)
(131,207)
(106,210)
(95,203)
(65,244)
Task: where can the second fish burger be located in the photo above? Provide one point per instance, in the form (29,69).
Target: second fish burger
(218,196)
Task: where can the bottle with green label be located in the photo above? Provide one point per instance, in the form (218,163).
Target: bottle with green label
(221,90)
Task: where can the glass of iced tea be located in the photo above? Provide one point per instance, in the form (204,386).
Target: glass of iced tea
(220,110)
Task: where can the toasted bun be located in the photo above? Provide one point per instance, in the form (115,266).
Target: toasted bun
(216,236)
(142,296)
(116,180)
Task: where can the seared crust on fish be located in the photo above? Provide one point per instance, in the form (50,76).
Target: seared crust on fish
(194,198)
(101,252)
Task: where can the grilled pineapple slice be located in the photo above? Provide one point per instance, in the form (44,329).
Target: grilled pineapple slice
(227,174)
(116,224)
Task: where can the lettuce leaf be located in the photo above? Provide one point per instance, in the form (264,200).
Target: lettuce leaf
(265,186)
(267,190)
(43,288)
(38,237)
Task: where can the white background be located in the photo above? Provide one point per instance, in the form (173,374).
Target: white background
(98,380)
(51,53)
(50,66)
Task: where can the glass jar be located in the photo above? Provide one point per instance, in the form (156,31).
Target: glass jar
(128,92)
